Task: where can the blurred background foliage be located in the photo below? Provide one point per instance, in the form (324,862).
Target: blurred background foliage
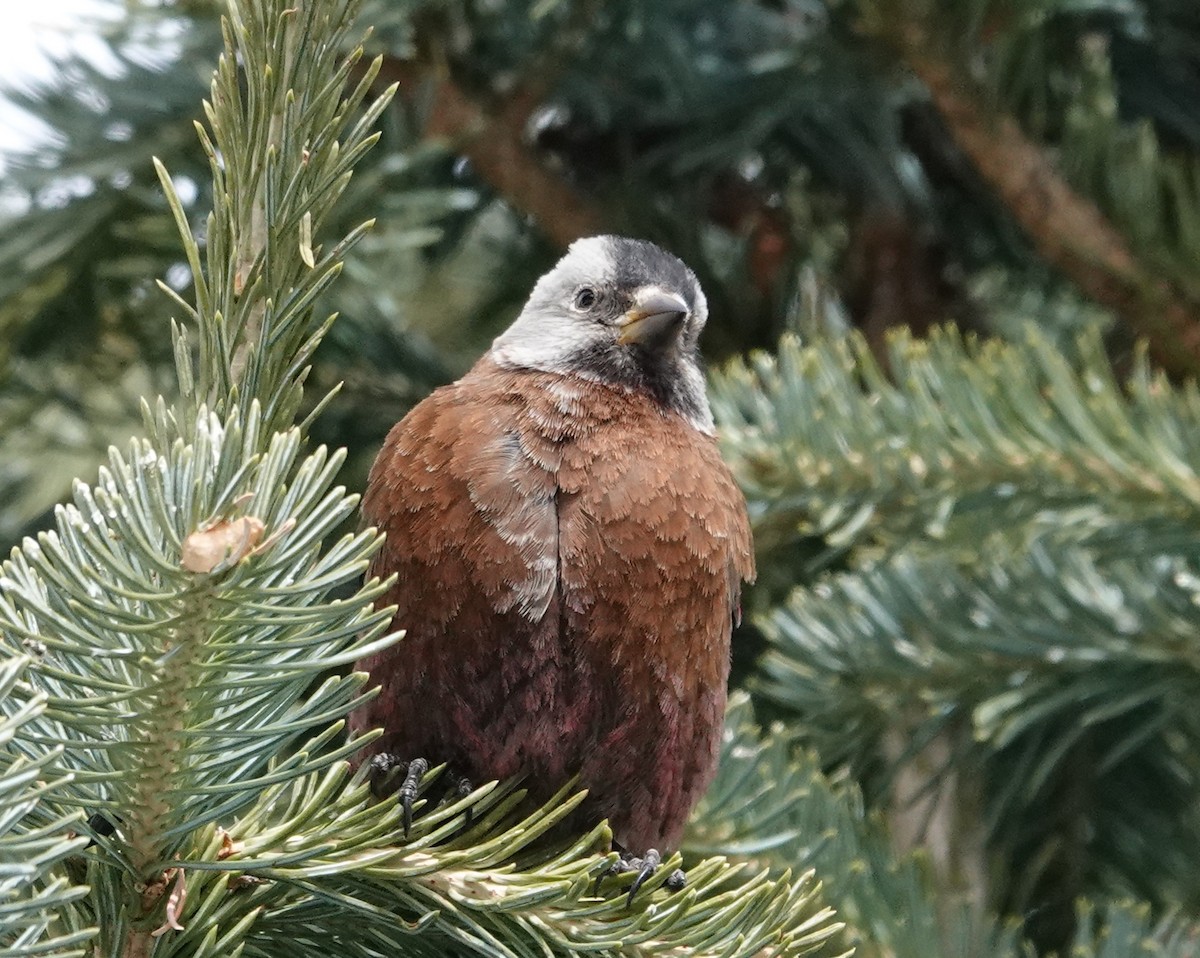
(979,563)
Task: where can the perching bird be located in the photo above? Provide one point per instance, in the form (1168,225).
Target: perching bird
(570,549)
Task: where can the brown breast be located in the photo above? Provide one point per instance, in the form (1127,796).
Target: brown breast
(568,558)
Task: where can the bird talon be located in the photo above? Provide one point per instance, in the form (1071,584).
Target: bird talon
(379,770)
(380,777)
(645,868)
(408,790)
(462,788)
(620,865)
(101,824)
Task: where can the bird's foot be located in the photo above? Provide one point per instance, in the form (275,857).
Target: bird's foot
(644,867)
(459,788)
(381,778)
(102,826)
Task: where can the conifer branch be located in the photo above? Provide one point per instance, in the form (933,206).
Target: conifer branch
(195,652)
(281,153)
(1021,425)
(33,845)
(1021,582)
(487,886)
(772,806)
(1065,224)
(495,142)
(994,646)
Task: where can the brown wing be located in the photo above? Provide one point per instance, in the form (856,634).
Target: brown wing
(471,532)
(655,544)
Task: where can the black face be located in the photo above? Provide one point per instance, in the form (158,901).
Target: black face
(652,371)
(643,264)
(654,368)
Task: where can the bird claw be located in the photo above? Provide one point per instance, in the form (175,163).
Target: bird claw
(408,790)
(460,788)
(379,771)
(102,826)
(379,774)
(645,868)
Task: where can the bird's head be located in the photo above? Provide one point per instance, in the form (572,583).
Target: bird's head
(618,311)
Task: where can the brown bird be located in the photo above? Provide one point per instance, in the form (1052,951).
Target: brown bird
(570,549)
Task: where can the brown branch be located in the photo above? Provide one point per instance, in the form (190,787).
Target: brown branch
(935,806)
(1066,228)
(494,143)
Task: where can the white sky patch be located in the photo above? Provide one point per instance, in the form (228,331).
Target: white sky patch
(32,36)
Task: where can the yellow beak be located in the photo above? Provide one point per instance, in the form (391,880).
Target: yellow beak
(655,313)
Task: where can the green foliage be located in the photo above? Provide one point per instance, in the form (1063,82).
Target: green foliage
(93,228)
(1017,539)
(194,611)
(977,561)
(1001,651)
(483,888)
(772,805)
(1152,193)
(32,889)
(956,434)
(87,229)
(197,673)
(280,156)
(1102,82)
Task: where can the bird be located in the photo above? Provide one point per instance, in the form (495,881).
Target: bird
(569,549)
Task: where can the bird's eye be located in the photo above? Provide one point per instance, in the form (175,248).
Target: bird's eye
(585,298)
